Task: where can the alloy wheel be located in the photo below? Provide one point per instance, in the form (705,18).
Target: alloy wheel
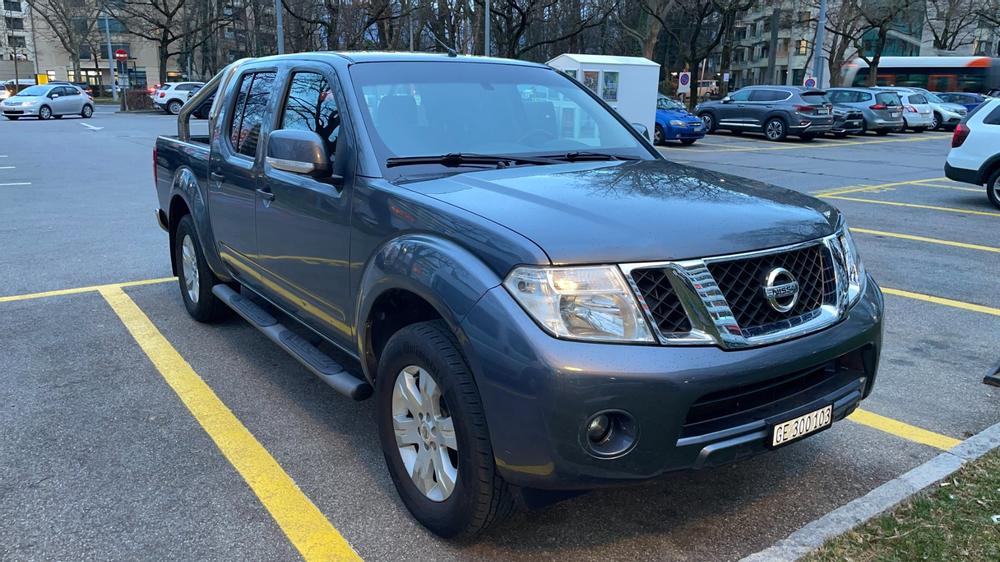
(706,120)
(425,433)
(774,129)
(44,113)
(189,263)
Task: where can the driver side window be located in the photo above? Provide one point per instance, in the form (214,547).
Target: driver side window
(312,106)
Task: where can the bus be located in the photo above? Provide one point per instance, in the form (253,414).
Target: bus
(939,74)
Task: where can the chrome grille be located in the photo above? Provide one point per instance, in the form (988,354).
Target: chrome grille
(742,283)
(665,308)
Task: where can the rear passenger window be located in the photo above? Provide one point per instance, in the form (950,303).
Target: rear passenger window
(917,98)
(312,106)
(251,107)
(994,117)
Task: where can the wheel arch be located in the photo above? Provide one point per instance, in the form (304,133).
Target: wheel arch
(989,167)
(186,198)
(411,279)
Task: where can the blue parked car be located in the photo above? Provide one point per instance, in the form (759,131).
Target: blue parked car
(674,122)
(969,100)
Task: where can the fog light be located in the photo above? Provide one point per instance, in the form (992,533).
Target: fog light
(599,428)
(609,434)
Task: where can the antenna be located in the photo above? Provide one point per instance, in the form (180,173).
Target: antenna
(451,50)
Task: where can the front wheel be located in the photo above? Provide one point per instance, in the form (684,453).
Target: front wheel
(935,122)
(433,433)
(87,112)
(195,277)
(174,107)
(658,134)
(708,120)
(44,113)
(993,189)
(774,129)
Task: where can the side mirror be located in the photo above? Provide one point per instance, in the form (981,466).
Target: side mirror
(53,96)
(641,129)
(299,152)
(727,99)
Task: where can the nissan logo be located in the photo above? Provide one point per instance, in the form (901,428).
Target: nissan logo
(781,289)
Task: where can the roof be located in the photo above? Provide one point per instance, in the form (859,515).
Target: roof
(399,56)
(606,59)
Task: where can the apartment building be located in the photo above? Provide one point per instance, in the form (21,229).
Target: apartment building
(17,45)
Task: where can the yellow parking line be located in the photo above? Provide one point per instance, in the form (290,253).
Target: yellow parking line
(914,205)
(955,187)
(943,301)
(854,189)
(304,525)
(926,239)
(821,145)
(904,430)
(77,290)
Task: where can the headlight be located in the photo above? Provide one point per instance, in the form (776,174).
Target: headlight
(852,264)
(583,303)
(677,123)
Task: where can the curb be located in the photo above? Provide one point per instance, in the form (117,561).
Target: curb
(886,496)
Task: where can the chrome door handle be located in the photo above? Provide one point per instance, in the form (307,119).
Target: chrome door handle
(216,176)
(265,195)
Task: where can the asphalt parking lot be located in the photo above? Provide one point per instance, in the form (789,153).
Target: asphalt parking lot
(129,431)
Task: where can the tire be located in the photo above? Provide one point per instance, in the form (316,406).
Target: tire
(174,107)
(87,112)
(688,142)
(708,120)
(993,188)
(775,129)
(657,134)
(44,113)
(882,132)
(12,117)
(479,497)
(199,300)
(936,121)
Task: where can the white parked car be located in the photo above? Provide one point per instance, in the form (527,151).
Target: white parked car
(48,101)
(170,96)
(975,149)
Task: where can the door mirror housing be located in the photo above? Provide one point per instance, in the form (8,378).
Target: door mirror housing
(299,152)
(641,129)
(727,99)
(53,96)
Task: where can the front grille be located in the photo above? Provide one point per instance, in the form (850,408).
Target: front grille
(742,283)
(664,306)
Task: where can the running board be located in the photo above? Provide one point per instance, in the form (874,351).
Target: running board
(319,363)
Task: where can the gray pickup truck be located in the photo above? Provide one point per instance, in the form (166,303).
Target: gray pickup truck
(538,301)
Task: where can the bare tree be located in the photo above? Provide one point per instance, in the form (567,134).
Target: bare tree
(952,23)
(873,22)
(71,22)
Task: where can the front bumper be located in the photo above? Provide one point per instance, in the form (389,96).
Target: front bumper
(20,110)
(538,393)
(851,126)
(679,133)
(918,119)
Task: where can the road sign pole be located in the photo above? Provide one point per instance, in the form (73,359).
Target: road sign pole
(818,47)
(111,59)
(279,21)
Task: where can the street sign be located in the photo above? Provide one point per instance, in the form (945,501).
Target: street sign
(121,55)
(809,82)
(684,83)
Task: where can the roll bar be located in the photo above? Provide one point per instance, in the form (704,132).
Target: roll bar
(217,83)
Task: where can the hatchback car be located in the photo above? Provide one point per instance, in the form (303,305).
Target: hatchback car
(975,150)
(945,115)
(918,116)
(777,111)
(170,97)
(48,101)
(675,122)
(968,100)
(882,111)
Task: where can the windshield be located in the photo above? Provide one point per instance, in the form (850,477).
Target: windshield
(437,108)
(934,98)
(34,91)
(667,103)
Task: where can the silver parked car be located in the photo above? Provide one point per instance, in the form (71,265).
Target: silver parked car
(882,111)
(917,112)
(48,101)
(946,114)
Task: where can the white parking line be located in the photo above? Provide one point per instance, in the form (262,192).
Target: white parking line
(6,167)
(15,183)
(91,127)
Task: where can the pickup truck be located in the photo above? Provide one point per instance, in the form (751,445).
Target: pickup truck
(537,301)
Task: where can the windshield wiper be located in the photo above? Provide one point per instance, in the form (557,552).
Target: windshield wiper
(456,159)
(584,156)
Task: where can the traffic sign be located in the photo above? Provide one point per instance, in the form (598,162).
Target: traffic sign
(809,82)
(684,83)
(121,55)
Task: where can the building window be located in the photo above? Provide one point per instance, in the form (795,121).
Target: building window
(802,48)
(16,41)
(112,24)
(12,5)
(15,24)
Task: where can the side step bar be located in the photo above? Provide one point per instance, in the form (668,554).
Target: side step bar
(321,364)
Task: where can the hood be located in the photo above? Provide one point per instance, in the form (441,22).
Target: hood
(677,114)
(953,107)
(615,212)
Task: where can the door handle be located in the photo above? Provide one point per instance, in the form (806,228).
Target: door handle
(216,176)
(265,195)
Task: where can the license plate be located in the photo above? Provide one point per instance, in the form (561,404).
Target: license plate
(797,428)
(894,114)
(822,112)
